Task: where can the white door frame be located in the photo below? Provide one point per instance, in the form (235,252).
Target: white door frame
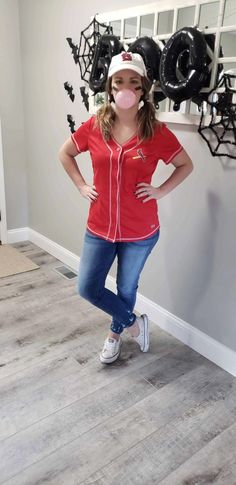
(3,222)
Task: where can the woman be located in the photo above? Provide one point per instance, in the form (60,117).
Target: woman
(125,142)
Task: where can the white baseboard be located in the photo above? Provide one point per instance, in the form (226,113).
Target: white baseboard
(59,252)
(65,256)
(17,235)
(197,340)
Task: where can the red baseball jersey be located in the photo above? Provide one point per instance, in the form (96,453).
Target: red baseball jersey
(117,214)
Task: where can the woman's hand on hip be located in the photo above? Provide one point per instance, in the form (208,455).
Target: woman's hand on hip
(89,192)
(147,191)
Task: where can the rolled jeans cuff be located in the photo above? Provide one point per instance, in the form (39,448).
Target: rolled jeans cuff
(119,327)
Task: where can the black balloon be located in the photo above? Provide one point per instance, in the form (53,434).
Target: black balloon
(151,54)
(107,47)
(183,66)
(158,96)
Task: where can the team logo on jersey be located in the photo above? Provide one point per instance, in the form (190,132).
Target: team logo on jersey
(140,155)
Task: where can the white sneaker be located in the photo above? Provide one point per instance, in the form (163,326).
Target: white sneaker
(111,350)
(143,337)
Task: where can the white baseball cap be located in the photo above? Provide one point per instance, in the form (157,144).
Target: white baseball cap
(127,60)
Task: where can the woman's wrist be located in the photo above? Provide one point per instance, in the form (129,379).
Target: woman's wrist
(80,185)
(160,192)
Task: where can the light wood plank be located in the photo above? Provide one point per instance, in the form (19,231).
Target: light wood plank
(55,431)
(214,463)
(161,453)
(74,462)
(30,405)
(32,378)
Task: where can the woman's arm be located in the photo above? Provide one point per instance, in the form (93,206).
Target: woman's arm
(67,155)
(183,167)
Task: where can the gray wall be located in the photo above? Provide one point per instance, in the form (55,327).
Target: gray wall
(192,271)
(12,116)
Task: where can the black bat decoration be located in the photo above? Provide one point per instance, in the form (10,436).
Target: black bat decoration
(85,97)
(69,90)
(75,49)
(71,123)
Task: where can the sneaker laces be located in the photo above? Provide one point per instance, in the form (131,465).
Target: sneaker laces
(110,344)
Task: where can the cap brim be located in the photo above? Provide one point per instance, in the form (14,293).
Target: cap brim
(116,69)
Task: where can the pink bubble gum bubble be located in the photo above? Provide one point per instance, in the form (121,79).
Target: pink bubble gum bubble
(125,99)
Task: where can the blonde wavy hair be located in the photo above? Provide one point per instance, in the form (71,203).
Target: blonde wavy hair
(146,116)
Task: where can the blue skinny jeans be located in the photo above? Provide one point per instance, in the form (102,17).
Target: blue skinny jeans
(96,261)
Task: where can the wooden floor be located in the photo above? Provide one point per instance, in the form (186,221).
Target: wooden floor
(166,417)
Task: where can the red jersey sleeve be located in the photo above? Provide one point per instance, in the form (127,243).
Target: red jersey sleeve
(170,145)
(81,136)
